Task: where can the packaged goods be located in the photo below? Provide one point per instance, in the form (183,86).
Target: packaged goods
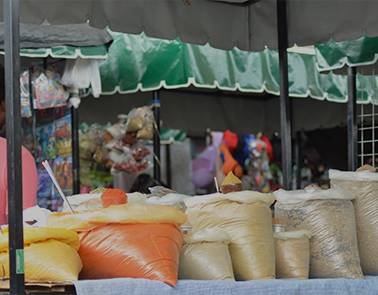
(205,256)
(363,186)
(292,254)
(231,184)
(134,240)
(329,216)
(50,255)
(247,219)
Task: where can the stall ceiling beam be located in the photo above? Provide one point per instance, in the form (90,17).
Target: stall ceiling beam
(13,133)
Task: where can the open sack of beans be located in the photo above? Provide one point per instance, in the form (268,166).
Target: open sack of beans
(292,254)
(329,216)
(247,219)
(363,185)
(205,256)
(132,241)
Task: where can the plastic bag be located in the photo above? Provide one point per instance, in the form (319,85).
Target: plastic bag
(205,256)
(25,95)
(329,216)
(149,251)
(292,254)
(50,255)
(247,219)
(133,240)
(48,91)
(141,120)
(364,187)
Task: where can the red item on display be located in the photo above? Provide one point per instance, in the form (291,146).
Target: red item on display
(268,147)
(231,140)
(230,164)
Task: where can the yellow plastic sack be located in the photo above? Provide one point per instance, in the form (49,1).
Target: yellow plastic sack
(247,219)
(292,254)
(364,187)
(329,216)
(205,256)
(122,214)
(50,255)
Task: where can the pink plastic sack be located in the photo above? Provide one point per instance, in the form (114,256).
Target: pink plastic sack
(29,180)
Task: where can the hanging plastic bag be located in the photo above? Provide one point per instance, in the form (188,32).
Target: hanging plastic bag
(246,217)
(364,187)
(141,120)
(50,255)
(292,254)
(203,167)
(205,256)
(113,241)
(329,216)
(82,74)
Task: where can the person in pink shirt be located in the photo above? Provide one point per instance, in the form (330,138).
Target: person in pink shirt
(29,170)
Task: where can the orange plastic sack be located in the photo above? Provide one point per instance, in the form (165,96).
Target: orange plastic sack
(149,251)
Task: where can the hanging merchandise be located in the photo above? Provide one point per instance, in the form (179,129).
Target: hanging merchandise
(141,120)
(26,111)
(48,92)
(83,74)
(229,163)
(330,218)
(203,167)
(231,140)
(258,165)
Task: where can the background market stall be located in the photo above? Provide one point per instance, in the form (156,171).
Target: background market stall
(230,16)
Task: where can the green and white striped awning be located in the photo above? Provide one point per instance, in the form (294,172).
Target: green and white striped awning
(140,63)
(67,52)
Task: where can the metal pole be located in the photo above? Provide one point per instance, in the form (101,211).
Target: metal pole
(352,119)
(285,106)
(156,108)
(75,150)
(298,160)
(169,165)
(13,133)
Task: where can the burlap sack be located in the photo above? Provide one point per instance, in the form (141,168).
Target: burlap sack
(329,216)
(247,219)
(205,256)
(292,254)
(364,187)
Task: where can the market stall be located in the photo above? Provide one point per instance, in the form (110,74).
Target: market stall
(100,11)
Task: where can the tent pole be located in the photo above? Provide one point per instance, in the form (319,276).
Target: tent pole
(352,119)
(285,105)
(75,149)
(14,141)
(156,108)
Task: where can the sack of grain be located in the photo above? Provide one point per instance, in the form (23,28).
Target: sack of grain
(329,216)
(247,219)
(205,256)
(364,188)
(292,254)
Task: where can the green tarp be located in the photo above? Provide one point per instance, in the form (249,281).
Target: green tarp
(140,63)
(335,55)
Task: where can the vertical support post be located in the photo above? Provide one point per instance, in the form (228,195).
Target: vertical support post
(75,150)
(14,140)
(285,106)
(298,159)
(169,165)
(156,109)
(352,119)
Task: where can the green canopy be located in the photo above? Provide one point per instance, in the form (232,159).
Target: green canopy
(140,63)
(335,55)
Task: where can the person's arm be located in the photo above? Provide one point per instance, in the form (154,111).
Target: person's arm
(29,181)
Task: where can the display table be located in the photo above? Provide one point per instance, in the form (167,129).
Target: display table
(367,286)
